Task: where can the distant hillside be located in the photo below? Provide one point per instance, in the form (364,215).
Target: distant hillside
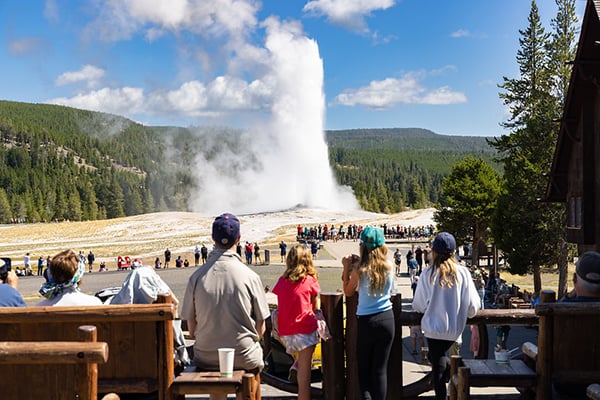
(390,169)
(406,139)
(63,163)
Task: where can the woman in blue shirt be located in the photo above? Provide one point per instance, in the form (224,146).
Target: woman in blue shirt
(370,275)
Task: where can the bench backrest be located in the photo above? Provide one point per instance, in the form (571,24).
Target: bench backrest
(52,369)
(139,336)
(568,344)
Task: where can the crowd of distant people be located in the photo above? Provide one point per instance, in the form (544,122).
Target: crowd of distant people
(332,232)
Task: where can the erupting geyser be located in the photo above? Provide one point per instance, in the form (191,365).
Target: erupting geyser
(283,161)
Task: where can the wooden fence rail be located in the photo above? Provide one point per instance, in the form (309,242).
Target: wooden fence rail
(340,373)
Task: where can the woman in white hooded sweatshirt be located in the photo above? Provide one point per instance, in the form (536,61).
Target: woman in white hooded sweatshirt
(446,296)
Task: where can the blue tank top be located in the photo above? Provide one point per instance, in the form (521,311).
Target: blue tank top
(372,304)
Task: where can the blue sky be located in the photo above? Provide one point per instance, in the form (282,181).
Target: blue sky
(381,63)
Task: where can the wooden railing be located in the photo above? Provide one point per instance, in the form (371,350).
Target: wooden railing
(340,374)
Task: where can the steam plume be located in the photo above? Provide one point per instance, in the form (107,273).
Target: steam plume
(284,159)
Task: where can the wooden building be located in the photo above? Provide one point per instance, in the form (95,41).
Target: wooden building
(575,173)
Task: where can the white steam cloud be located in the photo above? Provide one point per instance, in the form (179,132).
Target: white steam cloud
(287,160)
(277,86)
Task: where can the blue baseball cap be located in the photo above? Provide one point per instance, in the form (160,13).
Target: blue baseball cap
(226,229)
(444,243)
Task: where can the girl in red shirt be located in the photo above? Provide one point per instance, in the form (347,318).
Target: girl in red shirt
(297,293)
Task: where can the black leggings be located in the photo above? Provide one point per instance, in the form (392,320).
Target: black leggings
(439,365)
(374,343)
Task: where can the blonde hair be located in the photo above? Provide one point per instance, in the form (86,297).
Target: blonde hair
(374,266)
(447,265)
(299,264)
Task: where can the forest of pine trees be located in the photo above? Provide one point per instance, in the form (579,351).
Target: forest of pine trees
(69,164)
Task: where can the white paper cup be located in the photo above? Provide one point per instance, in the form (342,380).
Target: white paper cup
(502,356)
(226,361)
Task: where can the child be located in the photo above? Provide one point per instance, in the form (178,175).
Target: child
(297,293)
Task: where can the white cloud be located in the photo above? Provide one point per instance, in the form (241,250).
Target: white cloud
(121,19)
(460,33)
(443,95)
(222,95)
(390,92)
(23,46)
(120,101)
(88,73)
(51,11)
(347,13)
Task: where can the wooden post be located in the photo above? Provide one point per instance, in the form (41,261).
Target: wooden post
(483,351)
(544,359)
(454,365)
(352,388)
(394,371)
(547,296)
(464,383)
(87,333)
(332,351)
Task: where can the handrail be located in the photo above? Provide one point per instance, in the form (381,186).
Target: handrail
(340,376)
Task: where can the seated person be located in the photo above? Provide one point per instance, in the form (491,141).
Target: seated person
(62,287)
(103,267)
(143,286)
(225,304)
(586,279)
(586,288)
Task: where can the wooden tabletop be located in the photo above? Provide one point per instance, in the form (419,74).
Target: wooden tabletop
(492,373)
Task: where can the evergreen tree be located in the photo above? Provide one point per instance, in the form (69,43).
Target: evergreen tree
(73,211)
(5,210)
(469,199)
(562,50)
(524,227)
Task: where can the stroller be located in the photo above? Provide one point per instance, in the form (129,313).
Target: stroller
(278,362)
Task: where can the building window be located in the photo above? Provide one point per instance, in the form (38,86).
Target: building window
(575,210)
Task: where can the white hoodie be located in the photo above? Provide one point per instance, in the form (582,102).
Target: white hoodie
(445,309)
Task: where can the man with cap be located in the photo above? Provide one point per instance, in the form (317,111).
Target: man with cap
(586,279)
(225,304)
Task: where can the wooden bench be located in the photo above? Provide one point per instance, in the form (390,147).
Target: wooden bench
(568,346)
(52,369)
(567,356)
(140,338)
(465,374)
(245,385)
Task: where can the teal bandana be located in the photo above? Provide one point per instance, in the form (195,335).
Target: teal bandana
(52,289)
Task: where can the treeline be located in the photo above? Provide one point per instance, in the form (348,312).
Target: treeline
(61,163)
(67,164)
(390,169)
